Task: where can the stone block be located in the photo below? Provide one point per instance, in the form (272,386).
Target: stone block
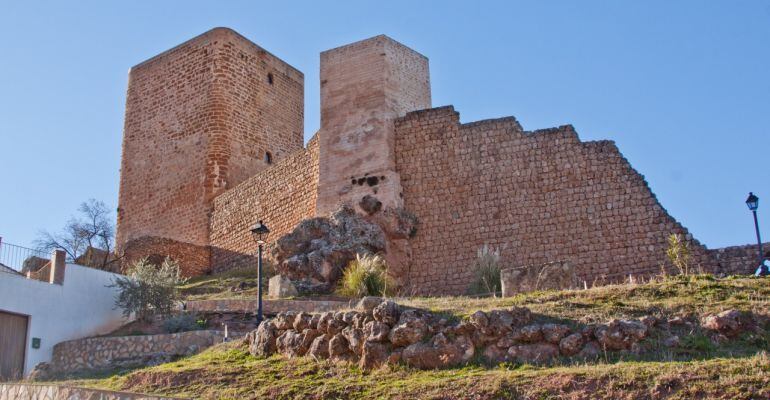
(280,287)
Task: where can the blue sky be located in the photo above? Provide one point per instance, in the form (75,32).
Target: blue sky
(682,87)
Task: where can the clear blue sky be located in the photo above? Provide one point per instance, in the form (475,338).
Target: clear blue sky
(683,87)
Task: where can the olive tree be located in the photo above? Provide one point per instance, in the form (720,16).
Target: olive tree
(148,290)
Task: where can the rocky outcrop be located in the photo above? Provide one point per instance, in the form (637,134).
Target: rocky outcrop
(314,255)
(380,332)
(316,252)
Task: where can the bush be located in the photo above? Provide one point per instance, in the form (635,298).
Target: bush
(366,276)
(678,253)
(487,272)
(148,290)
(182,323)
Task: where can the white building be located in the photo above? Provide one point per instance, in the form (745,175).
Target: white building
(74,302)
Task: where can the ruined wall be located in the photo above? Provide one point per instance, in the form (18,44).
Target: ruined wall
(281,196)
(201,118)
(738,260)
(539,196)
(364,87)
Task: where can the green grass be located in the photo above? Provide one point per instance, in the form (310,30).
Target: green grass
(229,372)
(670,296)
(697,368)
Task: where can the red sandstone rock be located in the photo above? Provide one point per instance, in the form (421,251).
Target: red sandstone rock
(571,344)
(533,353)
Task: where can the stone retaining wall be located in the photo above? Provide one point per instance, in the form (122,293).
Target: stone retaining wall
(16,391)
(125,351)
(268,306)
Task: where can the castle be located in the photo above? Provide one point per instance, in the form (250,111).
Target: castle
(213,141)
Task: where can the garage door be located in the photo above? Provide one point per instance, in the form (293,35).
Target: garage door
(13,342)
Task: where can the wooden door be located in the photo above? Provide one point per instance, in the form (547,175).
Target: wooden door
(13,343)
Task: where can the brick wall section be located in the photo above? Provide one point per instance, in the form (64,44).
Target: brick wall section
(738,260)
(539,196)
(193,260)
(281,196)
(199,120)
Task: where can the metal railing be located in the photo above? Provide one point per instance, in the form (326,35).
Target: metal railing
(21,259)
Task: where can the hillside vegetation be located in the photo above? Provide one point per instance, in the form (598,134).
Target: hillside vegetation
(698,367)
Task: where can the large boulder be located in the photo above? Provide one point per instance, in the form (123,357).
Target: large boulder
(440,352)
(319,348)
(387,312)
(262,341)
(318,249)
(411,327)
(537,353)
(620,335)
(730,323)
(373,355)
(376,331)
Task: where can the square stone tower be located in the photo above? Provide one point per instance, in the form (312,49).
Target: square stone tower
(365,86)
(200,118)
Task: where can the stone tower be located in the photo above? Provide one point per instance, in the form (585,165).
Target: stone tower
(365,86)
(200,118)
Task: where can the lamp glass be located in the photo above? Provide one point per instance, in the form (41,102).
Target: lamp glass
(752,202)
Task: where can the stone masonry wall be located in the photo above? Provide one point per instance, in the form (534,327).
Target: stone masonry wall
(193,260)
(539,196)
(18,391)
(738,260)
(201,118)
(107,352)
(281,196)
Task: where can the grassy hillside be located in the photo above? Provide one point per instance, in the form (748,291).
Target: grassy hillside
(696,368)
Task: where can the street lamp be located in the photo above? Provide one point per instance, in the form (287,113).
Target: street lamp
(259,232)
(753,203)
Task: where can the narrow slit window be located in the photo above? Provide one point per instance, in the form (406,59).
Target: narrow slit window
(268,157)
(270,78)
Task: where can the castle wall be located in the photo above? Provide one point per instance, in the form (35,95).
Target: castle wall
(738,260)
(539,196)
(281,196)
(200,119)
(364,87)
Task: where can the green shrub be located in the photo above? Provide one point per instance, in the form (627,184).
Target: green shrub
(678,253)
(148,290)
(181,323)
(486,272)
(366,276)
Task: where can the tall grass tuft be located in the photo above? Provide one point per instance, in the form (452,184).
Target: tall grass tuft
(487,272)
(367,275)
(678,253)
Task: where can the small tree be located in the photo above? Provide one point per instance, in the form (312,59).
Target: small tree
(93,231)
(678,253)
(148,290)
(487,271)
(366,276)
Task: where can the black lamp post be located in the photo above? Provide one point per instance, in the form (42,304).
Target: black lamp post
(753,203)
(259,232)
